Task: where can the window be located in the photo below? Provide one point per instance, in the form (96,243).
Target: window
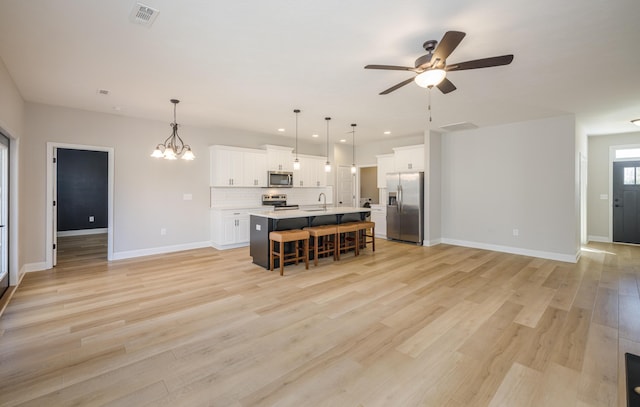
(628,153)
(631,176)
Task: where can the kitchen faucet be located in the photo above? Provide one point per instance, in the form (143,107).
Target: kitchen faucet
(324,205)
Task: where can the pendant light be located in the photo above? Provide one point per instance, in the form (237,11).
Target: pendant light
(173,147)
(327,165)
(296,162)
(353,148)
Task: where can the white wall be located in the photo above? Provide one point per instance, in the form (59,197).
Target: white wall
(516,176)
(433,188)
(148,193)
(599,179)
(12,126)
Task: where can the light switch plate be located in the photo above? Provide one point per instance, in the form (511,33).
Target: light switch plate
(258,227)
(187,197)
(604,197)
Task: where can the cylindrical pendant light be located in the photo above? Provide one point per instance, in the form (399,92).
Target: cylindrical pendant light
(327,165)
(353,148)
(296,162)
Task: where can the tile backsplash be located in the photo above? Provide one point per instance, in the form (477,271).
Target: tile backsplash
(252,197)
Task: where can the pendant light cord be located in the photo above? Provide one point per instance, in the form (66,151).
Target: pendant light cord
(296,111)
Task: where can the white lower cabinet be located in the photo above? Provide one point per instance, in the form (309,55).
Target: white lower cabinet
(379,217)
(230,227)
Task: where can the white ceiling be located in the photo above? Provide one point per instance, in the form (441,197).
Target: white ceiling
(248,63)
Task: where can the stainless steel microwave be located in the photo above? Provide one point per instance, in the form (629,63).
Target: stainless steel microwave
(280,179)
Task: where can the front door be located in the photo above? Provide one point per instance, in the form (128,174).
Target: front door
(626,202)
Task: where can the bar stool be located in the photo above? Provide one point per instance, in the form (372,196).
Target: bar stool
(346,242)
(286,236)
(326,234)
(368,230)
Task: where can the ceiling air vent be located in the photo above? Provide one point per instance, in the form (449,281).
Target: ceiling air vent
(143,15)
(459,126)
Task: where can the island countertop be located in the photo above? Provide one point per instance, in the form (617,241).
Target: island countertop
(261,223)
(305,213)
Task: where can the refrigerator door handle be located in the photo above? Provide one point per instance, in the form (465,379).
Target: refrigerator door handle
(399,198)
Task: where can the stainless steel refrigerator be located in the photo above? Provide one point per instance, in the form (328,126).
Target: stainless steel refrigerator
(405,206)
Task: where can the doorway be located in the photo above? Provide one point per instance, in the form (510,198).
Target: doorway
(4,214)
(52,215)
(626,202)
(346,186)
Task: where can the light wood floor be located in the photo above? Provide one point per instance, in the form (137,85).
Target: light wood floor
(404,326)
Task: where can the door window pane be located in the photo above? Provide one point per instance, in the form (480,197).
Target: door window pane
(629,175)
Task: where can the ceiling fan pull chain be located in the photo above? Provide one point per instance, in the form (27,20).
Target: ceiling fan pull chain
(430,103)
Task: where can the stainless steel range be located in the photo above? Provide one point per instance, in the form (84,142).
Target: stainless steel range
(278,201)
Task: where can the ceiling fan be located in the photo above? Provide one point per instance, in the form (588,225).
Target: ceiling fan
(431,69)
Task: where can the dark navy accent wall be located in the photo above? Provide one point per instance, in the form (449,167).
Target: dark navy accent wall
(82,181)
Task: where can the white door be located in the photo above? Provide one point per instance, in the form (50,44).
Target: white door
(346,186)
(4,214)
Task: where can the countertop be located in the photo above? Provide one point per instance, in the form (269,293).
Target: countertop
(305,213)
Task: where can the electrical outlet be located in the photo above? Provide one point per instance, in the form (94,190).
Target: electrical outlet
(163,232)
(92,219)
(516,232)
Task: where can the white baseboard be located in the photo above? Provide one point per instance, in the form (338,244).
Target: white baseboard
(433,242)
(228,246)
(601,239)
(515,250)
(30,267)
(159,250)
(82,232)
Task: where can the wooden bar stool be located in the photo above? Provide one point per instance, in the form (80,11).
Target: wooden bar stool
(368,230)
(286,236)
(345,241)
(324,241)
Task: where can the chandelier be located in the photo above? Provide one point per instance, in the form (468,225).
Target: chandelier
(173,147)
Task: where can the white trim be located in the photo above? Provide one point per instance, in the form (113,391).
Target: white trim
(515,250)
(49,197)
(31,267)
(83,232)
(612,159)
(160,250)
(228,246)
(433,242)
(602,239)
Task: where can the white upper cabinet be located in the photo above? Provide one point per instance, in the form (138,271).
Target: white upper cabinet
(311,173)
(279,158)
(386,164)
(409,158)
(255,168)
(237,167)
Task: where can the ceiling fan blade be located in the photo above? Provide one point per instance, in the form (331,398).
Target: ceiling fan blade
(446,86)
(390,67)
(481,63)
(447,44)
(394,87)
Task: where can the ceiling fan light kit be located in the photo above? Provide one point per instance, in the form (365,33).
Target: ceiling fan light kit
(430,78)
(173,147)
(636,122)
(431,69)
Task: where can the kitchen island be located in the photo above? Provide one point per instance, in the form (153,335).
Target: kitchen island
(263,222)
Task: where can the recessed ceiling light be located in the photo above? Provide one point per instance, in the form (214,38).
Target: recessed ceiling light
(314,135)
(387,132)
(281,130)
(636,122)
(343,140)
(117,108)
